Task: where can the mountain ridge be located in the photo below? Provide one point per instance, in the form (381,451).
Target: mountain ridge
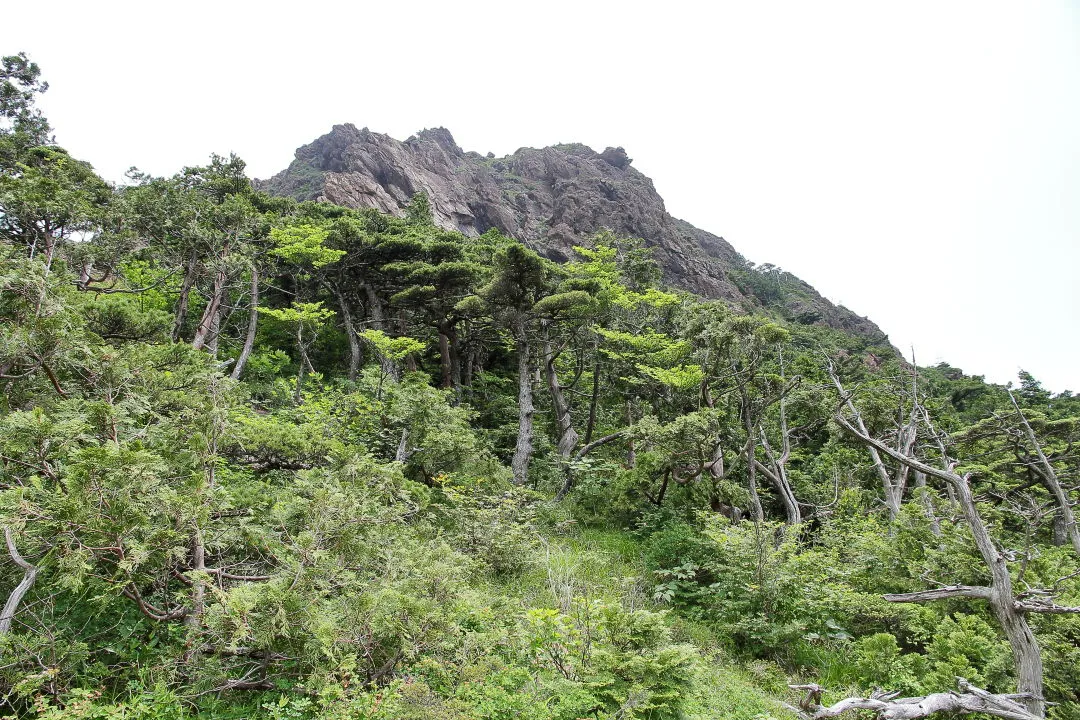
(551,199)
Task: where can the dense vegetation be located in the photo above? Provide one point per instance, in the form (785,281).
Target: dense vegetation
(269,459)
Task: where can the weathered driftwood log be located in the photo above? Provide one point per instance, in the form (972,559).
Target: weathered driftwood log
(887,706)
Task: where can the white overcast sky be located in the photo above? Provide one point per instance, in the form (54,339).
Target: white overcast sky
(918,162)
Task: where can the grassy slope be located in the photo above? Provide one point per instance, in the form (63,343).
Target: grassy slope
(599,563)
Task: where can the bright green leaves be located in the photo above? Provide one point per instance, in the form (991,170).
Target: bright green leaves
(606,273)
(599,264)
(626,261)
(964,646)
(301,313)
(624,658)
(575,303)
(304,244)
(392,349)
(306,318)
(656,355)
(470,305)
(651,297)
(419,212)
(680,377)
(660,347)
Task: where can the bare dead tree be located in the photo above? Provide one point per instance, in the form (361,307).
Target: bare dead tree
(776,469)
(928,503)
(892,485)
(1009,609)
(1045,470)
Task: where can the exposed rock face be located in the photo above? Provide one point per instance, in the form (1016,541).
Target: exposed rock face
(551,199)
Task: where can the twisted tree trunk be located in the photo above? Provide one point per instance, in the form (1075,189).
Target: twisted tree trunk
(777,472)
(892,487)
(206,322)
(7,615)
(568,436)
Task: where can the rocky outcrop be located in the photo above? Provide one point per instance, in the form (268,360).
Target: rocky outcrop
(551,199)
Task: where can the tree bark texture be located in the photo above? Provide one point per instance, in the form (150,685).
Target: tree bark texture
(203,329)
(568,436)
(594,397)
(355,351)
(180,315)
(253,323)
(374,307)
(885,706)
(523,448)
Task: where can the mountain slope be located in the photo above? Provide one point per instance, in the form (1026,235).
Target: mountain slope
(551,199)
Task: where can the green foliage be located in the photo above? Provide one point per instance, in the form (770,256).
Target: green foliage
(47,196)
(334,532)
(392,349)
(20,83)
(879,662)
(624,659)
(497,528)
(418,211)
(680,377)
(304,245)
(968,647)
(303,314)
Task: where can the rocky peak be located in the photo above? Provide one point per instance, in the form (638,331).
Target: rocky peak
(440,136)
(549,198)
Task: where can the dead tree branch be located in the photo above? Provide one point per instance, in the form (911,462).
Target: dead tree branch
(29,575)
(1045,470)
(887,706)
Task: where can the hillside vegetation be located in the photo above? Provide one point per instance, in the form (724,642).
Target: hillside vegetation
(262,458)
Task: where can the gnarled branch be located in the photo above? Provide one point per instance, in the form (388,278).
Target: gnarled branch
(29,575)
(149,609)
